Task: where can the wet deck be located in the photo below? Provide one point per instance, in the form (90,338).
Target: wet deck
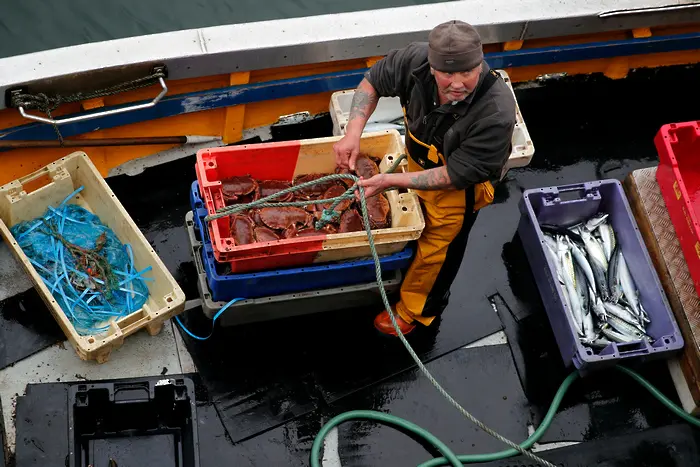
(265,390)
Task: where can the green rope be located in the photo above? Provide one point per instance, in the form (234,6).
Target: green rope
(265,202)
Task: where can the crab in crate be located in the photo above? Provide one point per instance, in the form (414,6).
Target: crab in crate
(270,187)
(240,189)
(277,223)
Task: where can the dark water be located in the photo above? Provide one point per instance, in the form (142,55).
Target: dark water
(35,25)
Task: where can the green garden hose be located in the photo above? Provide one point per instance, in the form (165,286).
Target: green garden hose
(450,458)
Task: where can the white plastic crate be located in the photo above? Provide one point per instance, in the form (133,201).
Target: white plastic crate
(28,197)
(389,108)
(523,149)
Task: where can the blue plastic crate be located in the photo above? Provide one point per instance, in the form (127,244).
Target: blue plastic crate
(568,205)
(287,280)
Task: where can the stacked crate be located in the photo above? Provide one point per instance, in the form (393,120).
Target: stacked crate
(272,279)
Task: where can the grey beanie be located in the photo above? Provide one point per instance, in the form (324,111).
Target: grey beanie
(454,46)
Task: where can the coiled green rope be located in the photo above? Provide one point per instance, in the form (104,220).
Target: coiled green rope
(330,214)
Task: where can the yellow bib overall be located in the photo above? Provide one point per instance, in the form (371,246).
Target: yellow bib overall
(449,217)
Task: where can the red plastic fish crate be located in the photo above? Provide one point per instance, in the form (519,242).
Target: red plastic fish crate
(284,161)
(678,176)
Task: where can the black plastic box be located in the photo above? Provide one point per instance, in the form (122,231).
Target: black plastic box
(136,423)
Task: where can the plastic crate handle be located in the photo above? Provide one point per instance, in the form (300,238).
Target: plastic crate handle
(46,176)
(570,193)
(43,172)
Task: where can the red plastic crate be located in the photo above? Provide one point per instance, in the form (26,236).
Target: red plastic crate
(284,161)
(678,176)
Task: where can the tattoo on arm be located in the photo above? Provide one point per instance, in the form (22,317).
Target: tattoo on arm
(361,102)
(433,179)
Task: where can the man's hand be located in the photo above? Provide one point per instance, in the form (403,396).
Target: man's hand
(346,151)
(364,102)
(426,180)
(373,186)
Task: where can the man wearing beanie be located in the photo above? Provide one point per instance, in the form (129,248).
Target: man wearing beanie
(459,119)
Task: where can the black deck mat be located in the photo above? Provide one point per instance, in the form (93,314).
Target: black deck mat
(672,446)
(26,327)
(485,374)
(282,367)
(42,426)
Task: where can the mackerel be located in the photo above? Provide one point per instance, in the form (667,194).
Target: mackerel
(625,328)
(616,336)
(628,288)
(568,276)
(551,251)
(588,326)
(608,238)
(598,306)
(582,290)
(614,275)
(600,343)
(598,263)
(596,221)
(594,249)
(623,314)
(582,262)
(556,230)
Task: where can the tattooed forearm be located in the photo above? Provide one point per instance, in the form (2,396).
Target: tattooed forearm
(433,179)
(363,102)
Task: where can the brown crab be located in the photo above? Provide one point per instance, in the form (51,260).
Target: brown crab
(292,232)
(366,167)
(333,192)
(379,211)
(242,228)
(314,190)
(254,214)
(270,187)
(348,182)
(239,188)
(350,221)
(282,217)
(265,234)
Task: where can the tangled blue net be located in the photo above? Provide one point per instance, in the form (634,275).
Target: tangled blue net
(89,272)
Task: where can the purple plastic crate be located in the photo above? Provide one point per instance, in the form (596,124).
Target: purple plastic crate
(567,205)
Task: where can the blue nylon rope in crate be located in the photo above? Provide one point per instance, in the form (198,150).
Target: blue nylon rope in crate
(89,272)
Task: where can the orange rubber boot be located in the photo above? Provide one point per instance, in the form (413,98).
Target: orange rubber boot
(383,324)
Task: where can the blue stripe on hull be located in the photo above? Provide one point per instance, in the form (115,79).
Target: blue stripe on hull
(248,93)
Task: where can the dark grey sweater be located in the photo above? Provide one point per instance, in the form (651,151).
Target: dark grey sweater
(478,144)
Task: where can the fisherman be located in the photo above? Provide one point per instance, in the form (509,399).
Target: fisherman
(459,117)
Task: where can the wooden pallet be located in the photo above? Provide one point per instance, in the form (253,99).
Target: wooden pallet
(665,250)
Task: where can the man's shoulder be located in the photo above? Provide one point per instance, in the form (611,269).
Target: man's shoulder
(503,99)
(415,53)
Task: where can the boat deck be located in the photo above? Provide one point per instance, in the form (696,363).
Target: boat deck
(265,390)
